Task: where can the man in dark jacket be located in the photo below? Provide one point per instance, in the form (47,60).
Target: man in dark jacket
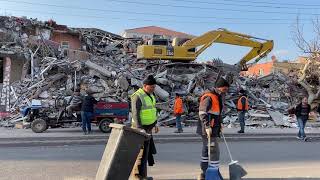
(302,113)
(87,112)
(210,109)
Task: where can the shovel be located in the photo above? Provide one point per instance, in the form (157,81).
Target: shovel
(236,171)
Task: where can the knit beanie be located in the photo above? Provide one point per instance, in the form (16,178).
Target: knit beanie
(222,83)
(242,91)
(150,80)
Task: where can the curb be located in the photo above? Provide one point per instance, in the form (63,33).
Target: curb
(92,141)
(169,136)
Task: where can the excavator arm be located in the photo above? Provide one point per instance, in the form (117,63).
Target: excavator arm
(192,48)
(258,51)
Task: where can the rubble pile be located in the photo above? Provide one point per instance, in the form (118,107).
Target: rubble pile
(270,97)
(110,71)
(106,66)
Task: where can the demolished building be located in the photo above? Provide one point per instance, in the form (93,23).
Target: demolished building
(47,61)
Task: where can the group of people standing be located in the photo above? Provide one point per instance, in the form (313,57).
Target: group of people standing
(144,118)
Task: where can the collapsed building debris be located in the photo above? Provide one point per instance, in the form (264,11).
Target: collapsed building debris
(105,64)
(271,97)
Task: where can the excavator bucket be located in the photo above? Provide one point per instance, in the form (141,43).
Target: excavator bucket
(244,67)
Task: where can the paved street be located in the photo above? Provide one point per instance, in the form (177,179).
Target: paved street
(174,161)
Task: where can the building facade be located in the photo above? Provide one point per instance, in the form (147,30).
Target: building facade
(263,69)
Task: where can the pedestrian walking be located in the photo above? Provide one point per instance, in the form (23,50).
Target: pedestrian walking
(87,112)
(242,107)
(144,118)
(178,111)
(302,113)
(210,109)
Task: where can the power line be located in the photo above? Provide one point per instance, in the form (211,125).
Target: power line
(208,8)
(144,13)
(277,3)
(245,5)
(145,20)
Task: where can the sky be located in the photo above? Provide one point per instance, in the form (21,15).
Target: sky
(267,19)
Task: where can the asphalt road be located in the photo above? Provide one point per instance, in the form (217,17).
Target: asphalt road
(262,160)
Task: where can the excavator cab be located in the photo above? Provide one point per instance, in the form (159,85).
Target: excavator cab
(158,42)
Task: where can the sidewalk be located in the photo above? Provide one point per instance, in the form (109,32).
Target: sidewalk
(9,133)
(74,136)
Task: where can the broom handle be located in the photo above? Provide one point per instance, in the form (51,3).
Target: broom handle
(225,141)
(209,147)
(209,140)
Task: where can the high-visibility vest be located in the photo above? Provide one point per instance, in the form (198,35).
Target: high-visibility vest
(239,105)
(178,106)
(148,111)
(215,108)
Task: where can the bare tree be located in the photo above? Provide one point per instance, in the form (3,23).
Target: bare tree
(309,76)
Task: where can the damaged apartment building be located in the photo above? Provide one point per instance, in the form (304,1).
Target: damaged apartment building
(34,52)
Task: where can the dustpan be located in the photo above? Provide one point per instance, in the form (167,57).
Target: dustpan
(236,171)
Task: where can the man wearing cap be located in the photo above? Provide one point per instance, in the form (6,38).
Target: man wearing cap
(242,107)
(210,110)
(144,117)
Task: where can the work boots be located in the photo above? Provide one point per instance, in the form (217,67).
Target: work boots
(241,131)
(178,131)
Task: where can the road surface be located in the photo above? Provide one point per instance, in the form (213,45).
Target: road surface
(174,161)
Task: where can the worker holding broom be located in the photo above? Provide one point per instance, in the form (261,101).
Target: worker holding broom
(209,125)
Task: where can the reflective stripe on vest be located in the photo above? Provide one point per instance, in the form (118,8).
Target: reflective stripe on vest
(239,105)
(215,107)
(148,112)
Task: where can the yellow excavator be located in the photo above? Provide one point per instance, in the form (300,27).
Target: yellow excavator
(187,50)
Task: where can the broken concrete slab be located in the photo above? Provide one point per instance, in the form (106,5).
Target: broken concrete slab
(278,118)
(44,95)
(122,83)
(161,93)
(98,68)
(259,115)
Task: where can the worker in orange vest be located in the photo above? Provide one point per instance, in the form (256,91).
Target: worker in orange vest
(242,107)
(210,109)
(178,110)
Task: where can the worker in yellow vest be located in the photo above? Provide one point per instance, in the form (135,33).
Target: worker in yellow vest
(242,107)
(144,118)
